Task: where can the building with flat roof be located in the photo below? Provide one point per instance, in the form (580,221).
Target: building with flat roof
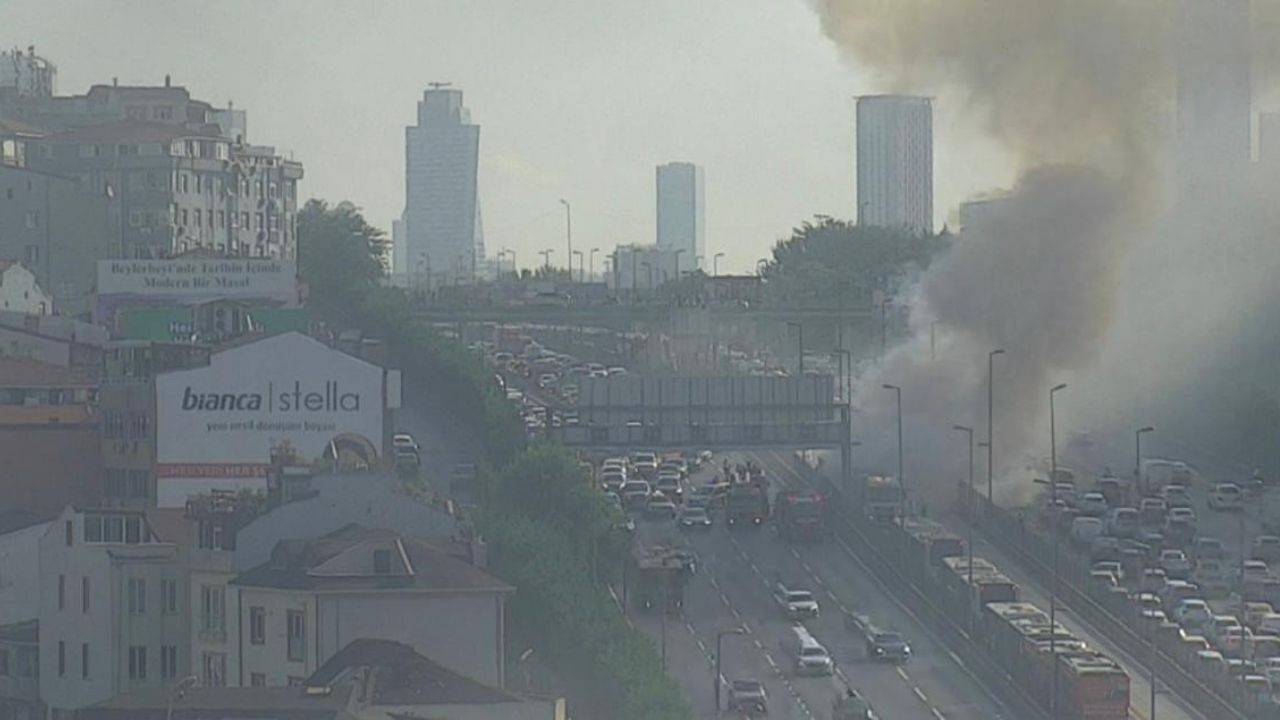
(895,162)
(682,220)
(442,227)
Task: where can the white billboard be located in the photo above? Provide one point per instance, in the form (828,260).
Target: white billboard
(196,278)
(218,426)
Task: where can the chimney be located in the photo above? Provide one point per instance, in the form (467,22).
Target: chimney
(166,80)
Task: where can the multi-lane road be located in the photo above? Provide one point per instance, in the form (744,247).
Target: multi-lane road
(733,587)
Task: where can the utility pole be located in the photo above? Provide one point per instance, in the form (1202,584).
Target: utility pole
(991,426)
(1053,585)
(568,235)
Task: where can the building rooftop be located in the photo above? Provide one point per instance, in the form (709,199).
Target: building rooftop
(140,131)
(400,676)
(354,557)
(15,519)
(25,373)
(241,702)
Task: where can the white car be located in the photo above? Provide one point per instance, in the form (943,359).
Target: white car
(1085,529)
(1093,504)
(1175,563)
(1192,613)
(695,517)
(1226,496)
(1255,571)
(1217,625)
(404,440)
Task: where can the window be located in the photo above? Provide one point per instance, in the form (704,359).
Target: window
(211,536)
(257,680)
(62,658)
(137,596)
(257,221)
(93,528)
(244,220)
(136,218)
(137,662)
(32,254)
(297,635)
(168,662)
(84,595)
(213,607)
(199,218)
(215,669)
(182,216)
(114,528)
(70,534)
(257,625)
(84,660)
(138,483)
(33,220)
(62,592)
(222,219)
(162,112)
(168,597)
(133,530)
(295,681)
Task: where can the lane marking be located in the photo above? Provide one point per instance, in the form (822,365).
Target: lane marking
(920,694)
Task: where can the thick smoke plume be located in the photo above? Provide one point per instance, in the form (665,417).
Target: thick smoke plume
(1081,94)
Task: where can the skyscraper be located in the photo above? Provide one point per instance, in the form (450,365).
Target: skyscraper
(442,207)
(895,162)
(1214,64)
(682,223)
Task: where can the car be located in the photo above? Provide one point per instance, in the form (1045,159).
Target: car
(1085,529)
(1235,641)
(644,463)
(1175,591)
(1147,601)
(1254,571)
(1213,577)
(748,697)
(1123,522)
(1104,547)
(1207,548)
(1226,496)
(1151,510)
(1192,613)
(1112,488)
(1269,624)
(1254,612)
(1064,491)
(1266,548)
(1175,564)
(660,506)
(1218,624)
(404,440)
(407,460)
(1153,580)
(1110,566)
(635,492)
(1103,579)
(669,485)
(547,380)
(1092,504)
(1178,533)
(695,517)
(1181,513)
(888,645)
(613,479)
(795,602)
(678,464)
(1175,496)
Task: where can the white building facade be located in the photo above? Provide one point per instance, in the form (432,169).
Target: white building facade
(895,162)
(19,291)
(442,205)
(682,223)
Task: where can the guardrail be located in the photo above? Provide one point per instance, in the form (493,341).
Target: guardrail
(1034,552)
(914,592)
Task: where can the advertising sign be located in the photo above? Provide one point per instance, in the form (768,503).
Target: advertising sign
(287,395)
(188,278)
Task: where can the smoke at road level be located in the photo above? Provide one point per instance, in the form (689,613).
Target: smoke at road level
(1077,92)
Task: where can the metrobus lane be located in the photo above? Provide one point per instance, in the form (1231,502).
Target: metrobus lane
(950,688)
(749,577)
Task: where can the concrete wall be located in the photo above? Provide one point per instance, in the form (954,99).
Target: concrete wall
(272,657)
(20,574)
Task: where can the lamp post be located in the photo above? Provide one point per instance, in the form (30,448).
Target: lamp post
(591,264)
(991,438)
(800,332)
(715,264)
(568,235)
(968,508)
(1137,456)
(716,680)
(1053,583)
(546,257)
(579,254)
(846,364)
(884,324)
(902,485)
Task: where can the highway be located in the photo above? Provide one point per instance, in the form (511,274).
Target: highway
(733,587)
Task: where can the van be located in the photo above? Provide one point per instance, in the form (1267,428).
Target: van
(811,657)
(1123,522)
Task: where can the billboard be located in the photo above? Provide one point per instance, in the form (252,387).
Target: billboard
(186,278)
(219,426)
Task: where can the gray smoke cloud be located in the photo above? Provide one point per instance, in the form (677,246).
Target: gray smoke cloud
(1081,94)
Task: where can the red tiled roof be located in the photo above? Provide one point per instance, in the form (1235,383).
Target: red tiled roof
(22,372)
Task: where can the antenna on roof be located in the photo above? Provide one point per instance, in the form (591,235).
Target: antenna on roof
(438,85)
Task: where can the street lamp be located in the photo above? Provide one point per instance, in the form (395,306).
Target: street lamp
(799,331)
(991,438)
(968,508)
(845,368)
(1053,584)
(591,264)
(568,234)
(715,264)
(1137,456)
(579,254)
(546,257)
(720,636)
(902,485)
(884,324)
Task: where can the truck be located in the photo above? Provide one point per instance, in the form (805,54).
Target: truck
(797,515)
(657,575)
(746,503)
(881,498)
(796,602)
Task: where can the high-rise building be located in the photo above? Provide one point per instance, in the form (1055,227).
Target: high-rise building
(1214,65)
(895,162)
(442,205)
(682,223)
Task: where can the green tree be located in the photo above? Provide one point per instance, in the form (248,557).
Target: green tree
(340,254)
(832,262)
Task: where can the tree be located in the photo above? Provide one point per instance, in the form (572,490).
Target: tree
(340,255)
(833,262)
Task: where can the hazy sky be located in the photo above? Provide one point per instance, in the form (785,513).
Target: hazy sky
(577,99)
